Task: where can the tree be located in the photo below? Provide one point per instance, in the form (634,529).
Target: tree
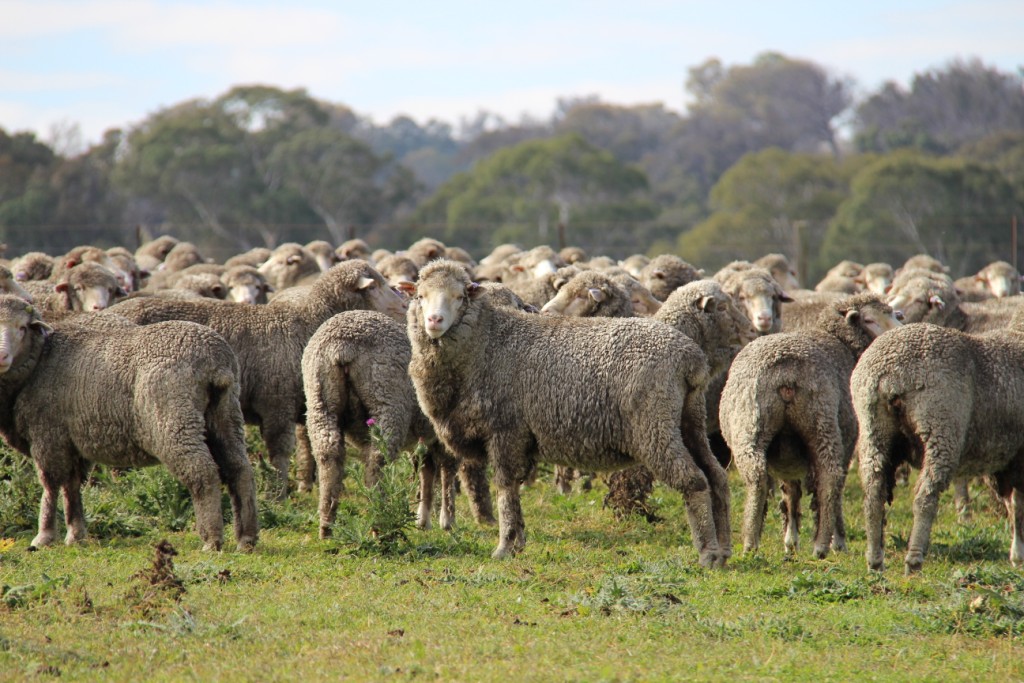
(769,201)
(340,178)
(943,110)
(905,203)
(522,193)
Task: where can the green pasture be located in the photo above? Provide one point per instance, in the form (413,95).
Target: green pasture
(592,598)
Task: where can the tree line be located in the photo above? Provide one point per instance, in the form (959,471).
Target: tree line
(776,155)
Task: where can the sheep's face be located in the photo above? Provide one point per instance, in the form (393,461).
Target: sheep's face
(1001,279)
(441,305)
(381,297)
(247,292)
(877,283)
(875,318)
(575,302)
(759,305)
(89,288)
(643,302)
(923,300)
(286,262)
(17,320)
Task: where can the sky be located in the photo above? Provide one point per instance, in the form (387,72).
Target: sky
(102,64)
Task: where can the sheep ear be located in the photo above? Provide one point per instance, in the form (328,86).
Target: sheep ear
(120,291)
(365,282)
(853,316)
(41,327)
(708,304)
(936,302)
(596,294)
(61,287)
(268,288)
(217,290)
(70,263)
(558,283)
(785,298)
(517,268)
(660,274)
(293,259)
(406,287)
(473,289)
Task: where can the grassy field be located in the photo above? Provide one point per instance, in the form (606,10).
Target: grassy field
(591,598)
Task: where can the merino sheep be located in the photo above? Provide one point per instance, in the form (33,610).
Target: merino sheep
(573,255)
(129,275)
(163,394)
(591,294)
(245,285)
(539,290)
(425,250)
(667,273)
(500,253)
(85,288)
(778,265)
(643,302)
(461,255)
(996,280)
(951,404)
(290,265)
(35,265)
(634,264)
(786,412)
(356,368)
(397,269)
(324,254)
(877,277)
(255,257)
(269,341)
(757,293)
(353,249)
(150,255)
(586,393)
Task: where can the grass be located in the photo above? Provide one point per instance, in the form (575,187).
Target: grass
(591,598)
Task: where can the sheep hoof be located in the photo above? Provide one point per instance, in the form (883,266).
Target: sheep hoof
(501,553)
(423,524)
(821,552)
(839,545)
(246,545)
(912,567)
(212,546)
(305,487)
(42,540)
(325,531)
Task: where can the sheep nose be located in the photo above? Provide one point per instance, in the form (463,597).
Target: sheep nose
(436,318)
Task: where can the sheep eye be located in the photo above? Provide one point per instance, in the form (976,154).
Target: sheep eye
(898,315)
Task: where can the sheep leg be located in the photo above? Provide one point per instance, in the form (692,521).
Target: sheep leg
(449,470)
(754,509)
(74,513)
(428,474)
(563,479)
(962,499)
(279,437)
(330,473)
(790,505)
(511,527)
(473,475)
(305,463)
(1017,517)
(236,472)
(679,471)
(828,477)
(47,509)
(195,468)
(695,439)
(933,480)
(872,467)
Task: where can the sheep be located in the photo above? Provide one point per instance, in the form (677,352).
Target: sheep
(535,263)
(9,285)
(926,262)
(786,413)
(206,285)
(667,273)
(537,291)
(425,250)
(181,256)
(461,255)
(593,394)
(876,277)
(931,297)
(150,255)
(353,249)
(355,368)
(949,403)
(245,285)
(324,253)
(573,255)
(500,253)
(35,265)
(164,394)
(778,265)
(85,288)
(643,302)
(376,255)
(255,257)
(78,256)
(804,310)
(591,294)
(129,275)
(996,280)
(396,269)
(290,265)
(757,293)
(634,264)
(844,277)
(269,340)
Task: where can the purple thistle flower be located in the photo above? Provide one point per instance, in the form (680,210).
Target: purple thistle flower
(371,422)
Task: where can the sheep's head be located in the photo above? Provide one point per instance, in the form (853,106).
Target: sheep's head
(759,296)
(287,264)
(926,298)
(89,287)
(869,313)
(876,277)
(245,285)
(588,294)
(1000,278)
(9,284)
(18,321)
(324,254)
(442,294)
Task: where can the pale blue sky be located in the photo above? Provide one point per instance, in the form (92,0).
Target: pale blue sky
(111,63)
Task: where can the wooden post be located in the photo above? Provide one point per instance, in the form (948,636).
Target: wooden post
(561,235)
(1013,239)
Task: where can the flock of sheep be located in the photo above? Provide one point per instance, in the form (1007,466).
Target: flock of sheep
(643,369)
